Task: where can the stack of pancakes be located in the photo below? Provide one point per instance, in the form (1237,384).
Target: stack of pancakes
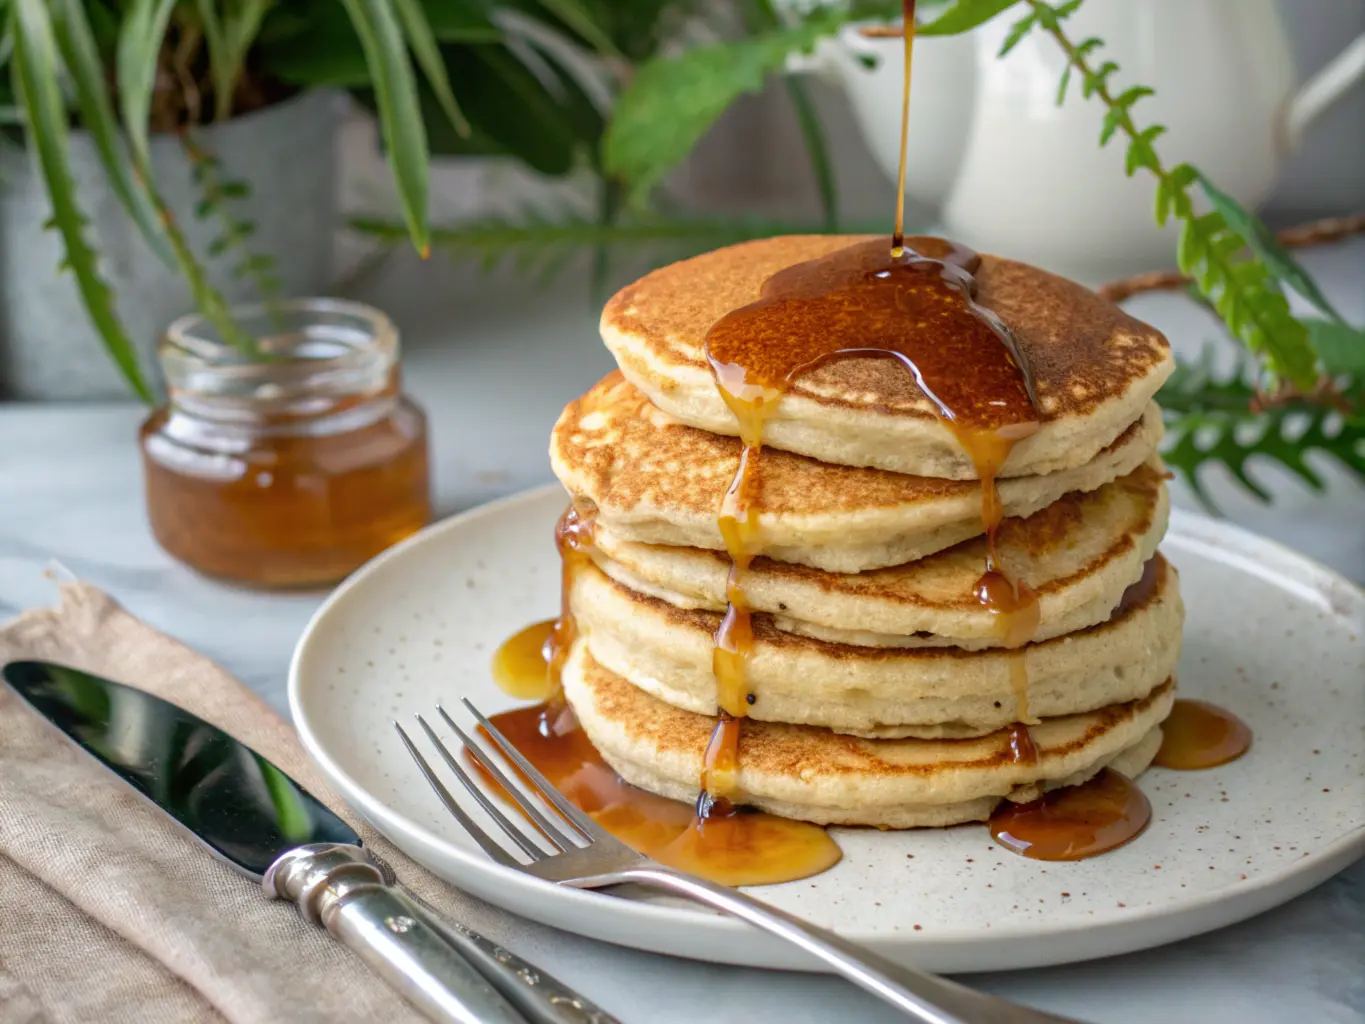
(880,689)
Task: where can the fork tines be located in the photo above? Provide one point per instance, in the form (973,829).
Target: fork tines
(581,829)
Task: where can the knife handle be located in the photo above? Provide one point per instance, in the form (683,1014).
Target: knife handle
(338,887)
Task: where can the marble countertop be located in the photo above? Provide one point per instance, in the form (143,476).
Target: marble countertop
(493,362)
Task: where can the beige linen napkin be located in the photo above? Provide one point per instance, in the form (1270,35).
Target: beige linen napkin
(109,913)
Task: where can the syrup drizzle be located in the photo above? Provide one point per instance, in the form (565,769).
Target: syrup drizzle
(921,310)
(722,842)
(574,539)
(730,845)
(908,34)
(1200,735)
(1074,822)
(520,665)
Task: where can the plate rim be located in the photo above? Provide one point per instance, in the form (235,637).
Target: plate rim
(1221,540)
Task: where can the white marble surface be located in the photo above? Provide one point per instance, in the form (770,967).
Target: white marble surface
(493,362)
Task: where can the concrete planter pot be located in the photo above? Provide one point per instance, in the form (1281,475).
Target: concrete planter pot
(48,348)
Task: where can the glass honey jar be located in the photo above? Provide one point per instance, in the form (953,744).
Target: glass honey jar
(289,462)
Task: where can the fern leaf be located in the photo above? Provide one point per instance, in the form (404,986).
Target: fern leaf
(1210,421)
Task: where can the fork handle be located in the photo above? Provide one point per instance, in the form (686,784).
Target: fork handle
(923,997)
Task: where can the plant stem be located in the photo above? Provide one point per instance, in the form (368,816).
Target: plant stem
(764,17)
(1181,206)
(1077,60)
(817,149)
(494,233)
(207,298)
(214,194)
(608,208)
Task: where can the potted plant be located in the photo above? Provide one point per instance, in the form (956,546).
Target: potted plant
(179,154)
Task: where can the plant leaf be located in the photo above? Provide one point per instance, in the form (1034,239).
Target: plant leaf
(76,43)
(35,75)
(1130,96)
(139,43)
(1208,418)
(1247,297)
(511,110)
(242,29)
(322,59)
(220,69)
(1267,247)
(560,238)
(673,101)
(1113,117)
(817,150)
(400,116)
(964,16)
(1062,85)
(1016,33)
(1341,347)
(455,22)
(577,16)
(424,48)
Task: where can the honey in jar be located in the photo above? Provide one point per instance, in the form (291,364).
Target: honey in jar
(291,461)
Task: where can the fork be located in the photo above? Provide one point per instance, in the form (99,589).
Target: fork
(588,857)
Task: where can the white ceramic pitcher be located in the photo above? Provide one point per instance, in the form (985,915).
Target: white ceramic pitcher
(1012,173)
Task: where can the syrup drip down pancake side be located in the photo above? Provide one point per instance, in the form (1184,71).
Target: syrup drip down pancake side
(816,775)
(1079,555)
(653,480)
(879,692)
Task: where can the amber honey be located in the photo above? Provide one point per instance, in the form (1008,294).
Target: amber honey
(1074,822)
(727,844)
(1200,735)
(290,466)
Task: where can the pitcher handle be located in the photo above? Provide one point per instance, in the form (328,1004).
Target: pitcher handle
(1322,91)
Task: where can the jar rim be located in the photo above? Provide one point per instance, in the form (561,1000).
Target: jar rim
(187,336)
(313,353)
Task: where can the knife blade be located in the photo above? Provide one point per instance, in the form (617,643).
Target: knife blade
(260,822)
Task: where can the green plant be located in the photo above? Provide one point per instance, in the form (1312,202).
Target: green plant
(543,244)
(124,70)
(1216,419)
(218,198)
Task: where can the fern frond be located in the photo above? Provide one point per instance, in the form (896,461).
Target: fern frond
(216,194)
(1211,419)
(1229,253)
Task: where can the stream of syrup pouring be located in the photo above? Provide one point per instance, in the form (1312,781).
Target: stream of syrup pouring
(870,300)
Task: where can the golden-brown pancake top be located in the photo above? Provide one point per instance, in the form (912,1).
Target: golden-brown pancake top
(1083,350)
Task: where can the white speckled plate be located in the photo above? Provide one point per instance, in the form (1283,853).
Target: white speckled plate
(1270,634)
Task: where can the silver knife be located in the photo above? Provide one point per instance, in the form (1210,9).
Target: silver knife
(256,819)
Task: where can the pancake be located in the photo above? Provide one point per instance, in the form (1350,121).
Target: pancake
(657,481)
(812,774)
(1079,555)
(927,692)
(1095,367)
